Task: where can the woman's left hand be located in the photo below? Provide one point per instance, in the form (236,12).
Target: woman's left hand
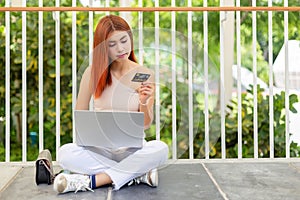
(146,91)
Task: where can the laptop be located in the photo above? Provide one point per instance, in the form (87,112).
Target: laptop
(109,129)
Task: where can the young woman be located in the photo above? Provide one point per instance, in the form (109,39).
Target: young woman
(108,82)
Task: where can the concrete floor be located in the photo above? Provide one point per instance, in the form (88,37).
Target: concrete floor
(182,180)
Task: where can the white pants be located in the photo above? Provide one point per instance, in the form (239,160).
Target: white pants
(122,165)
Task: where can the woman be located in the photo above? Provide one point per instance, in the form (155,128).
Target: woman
(108,82)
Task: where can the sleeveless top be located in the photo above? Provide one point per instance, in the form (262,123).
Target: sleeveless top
(117,97)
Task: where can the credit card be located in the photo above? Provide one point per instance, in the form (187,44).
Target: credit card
(140,77)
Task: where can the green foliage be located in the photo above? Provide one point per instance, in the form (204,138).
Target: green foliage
(49,77)
(231,125)
(262,126)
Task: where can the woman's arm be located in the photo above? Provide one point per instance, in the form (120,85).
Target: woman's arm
(147,108)
(84,94)
(146,98)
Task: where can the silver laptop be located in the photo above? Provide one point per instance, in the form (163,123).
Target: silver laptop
(109,129)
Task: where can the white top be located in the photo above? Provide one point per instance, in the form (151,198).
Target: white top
(118,97)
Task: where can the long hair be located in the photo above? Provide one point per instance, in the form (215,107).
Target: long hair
(100,72)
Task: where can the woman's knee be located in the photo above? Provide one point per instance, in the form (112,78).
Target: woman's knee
(65,154)
(161,147)
(160,144)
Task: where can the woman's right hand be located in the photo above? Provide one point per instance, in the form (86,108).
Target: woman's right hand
(146,91)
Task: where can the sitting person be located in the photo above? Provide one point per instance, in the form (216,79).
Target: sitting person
(105,82)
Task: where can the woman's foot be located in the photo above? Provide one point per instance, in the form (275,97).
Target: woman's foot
(71,183)
(150,178)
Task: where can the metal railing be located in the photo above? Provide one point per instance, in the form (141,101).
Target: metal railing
(173,9)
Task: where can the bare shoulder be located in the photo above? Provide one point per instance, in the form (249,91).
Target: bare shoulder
(146,69)
(87,73)
(143,69)
(88,70)
(85,79)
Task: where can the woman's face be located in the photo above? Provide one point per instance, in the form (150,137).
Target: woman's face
(119,45)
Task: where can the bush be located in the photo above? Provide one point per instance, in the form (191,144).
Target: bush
(231,125)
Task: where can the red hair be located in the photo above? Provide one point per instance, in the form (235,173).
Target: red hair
(100,72)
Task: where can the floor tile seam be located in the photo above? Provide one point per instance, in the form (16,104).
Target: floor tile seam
(109,194)
(223,194)
(11,180)
(293,166)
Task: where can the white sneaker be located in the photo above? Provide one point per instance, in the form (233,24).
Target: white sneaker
(150,178)
(71,182)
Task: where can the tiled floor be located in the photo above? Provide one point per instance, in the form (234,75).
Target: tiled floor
(177,180)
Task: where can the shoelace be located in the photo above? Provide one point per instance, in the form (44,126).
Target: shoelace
(136,181)
(79,184)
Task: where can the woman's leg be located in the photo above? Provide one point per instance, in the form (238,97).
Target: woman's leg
(80,160)
(84,160)
(86,163)
(152,155)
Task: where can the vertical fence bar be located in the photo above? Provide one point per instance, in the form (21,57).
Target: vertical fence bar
(24,86)
(190,82)
(174,113)
(239,87)
(271,108)
(91,30)
(287,99)
(205,58)
(254,40)
(157,79)
(74,66)
(57,76)
(141,27)
(222,78)
(7,83)
(125,15)
(107,4)
(91,41)
(41,97)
